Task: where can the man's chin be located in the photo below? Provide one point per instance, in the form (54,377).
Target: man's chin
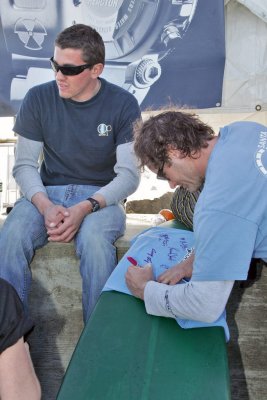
(192,189)
(64,95)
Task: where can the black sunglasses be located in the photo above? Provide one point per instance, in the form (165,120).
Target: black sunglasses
(70,70)
(160,174)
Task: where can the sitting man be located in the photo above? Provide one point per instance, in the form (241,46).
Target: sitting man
(17,377)
(82,125)
(230,217)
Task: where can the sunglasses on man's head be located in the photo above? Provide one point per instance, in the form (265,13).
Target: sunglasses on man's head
(161,175)
(69,70)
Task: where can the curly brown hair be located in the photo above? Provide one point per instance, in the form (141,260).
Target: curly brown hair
(85,38)
(181,131)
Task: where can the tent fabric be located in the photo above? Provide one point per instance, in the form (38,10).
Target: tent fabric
(245,77)
(257,7)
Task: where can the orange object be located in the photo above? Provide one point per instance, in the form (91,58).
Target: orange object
(167,214)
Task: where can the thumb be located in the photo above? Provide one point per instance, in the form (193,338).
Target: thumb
(62,210)
(148,265)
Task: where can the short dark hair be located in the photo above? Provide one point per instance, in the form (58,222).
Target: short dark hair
(86,38)
(182,131)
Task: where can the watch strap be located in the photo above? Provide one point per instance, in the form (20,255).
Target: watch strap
(95,204)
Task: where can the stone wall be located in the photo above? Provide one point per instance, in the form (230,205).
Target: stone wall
(147,206)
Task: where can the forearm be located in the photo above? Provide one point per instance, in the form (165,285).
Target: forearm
(25,170)
(127,177)
(41,202)
(200,301)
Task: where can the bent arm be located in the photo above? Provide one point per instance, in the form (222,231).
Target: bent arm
(26,174)
(127,179)
(25,170)
(199,300)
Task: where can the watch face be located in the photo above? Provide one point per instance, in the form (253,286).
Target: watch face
(128,27)
(95,204)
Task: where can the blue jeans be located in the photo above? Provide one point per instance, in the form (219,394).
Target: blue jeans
(24,232)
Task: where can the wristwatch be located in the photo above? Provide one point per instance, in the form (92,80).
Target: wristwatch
(95,204)
(138,34)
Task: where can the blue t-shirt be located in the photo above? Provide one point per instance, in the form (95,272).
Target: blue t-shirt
(80,138)
(230,219)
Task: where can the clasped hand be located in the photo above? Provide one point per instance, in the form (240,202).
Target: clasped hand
(62,223)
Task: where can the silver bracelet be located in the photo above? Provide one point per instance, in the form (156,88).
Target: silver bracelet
(167,303)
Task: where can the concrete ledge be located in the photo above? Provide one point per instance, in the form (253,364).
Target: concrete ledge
(55,304)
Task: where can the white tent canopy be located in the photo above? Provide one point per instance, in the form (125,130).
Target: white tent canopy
(245,77)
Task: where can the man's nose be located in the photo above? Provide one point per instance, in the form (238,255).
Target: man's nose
(59,75)
(172,184)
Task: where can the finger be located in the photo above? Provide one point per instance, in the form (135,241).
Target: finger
(61,209)
(165,280)
(133,271)
(69,238)
(57,238)
(135,268)
(164,277)
(65,236)
(53,227)
(56,231)
(128,274)
(57,234)
(146,266)
(55,221)
(174,280)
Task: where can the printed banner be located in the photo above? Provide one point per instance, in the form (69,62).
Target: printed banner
(165,52)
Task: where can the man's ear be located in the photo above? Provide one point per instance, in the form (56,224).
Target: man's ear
(96,70)
(173,153)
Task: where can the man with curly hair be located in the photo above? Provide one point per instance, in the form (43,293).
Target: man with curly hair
(230,218)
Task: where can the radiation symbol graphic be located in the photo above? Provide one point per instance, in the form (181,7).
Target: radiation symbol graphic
(31,33)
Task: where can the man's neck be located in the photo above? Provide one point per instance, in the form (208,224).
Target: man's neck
(205,155)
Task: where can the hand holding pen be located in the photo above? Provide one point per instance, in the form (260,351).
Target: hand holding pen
(133,261)
(137,277)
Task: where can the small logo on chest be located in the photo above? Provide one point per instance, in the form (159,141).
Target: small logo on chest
(261,154)
(103,129)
